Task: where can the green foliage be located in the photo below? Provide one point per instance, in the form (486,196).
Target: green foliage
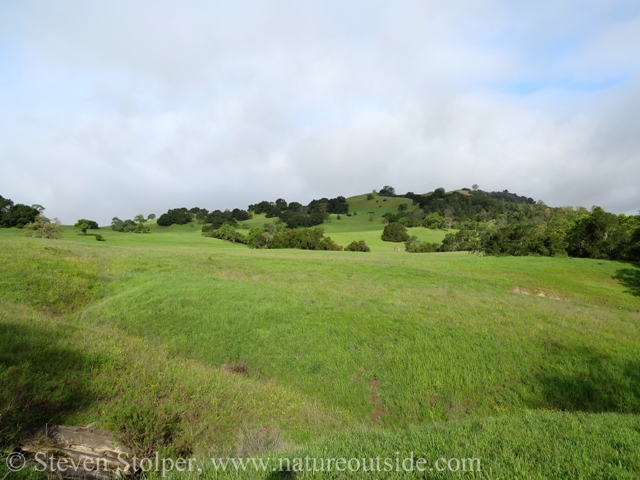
(226,232)
(128,226)
(144,427)
(522,239)
(598,234)
(17,215)
(387,191)
(433,220)
(413,245)
(463,240)
(42,227)
(179,216)
(302,238)
(357,246)
(83,225)
(139,218)
(370,196)
(297,215)
(328,244)
(395,232)
(99,237)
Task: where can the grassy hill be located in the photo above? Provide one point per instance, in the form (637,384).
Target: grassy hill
(188,344)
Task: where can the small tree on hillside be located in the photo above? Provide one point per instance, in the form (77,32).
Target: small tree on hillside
(138,218)
(82,225)
(395,232)
(151,216)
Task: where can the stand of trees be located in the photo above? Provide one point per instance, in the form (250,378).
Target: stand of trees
(279,236)
(128,226)
(296,215)
(465,208)
(563,232)
(17,214)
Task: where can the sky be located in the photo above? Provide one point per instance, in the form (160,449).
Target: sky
(115,108)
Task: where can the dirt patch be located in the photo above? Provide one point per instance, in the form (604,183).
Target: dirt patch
(539,293)
(379,410)
(238,368)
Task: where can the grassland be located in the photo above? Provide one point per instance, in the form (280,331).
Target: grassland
(188,344)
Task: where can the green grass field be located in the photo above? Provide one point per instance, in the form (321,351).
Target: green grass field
(188,344)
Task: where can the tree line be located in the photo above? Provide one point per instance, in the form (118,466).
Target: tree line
(278,235)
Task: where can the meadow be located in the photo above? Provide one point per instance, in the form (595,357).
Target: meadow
(194,346)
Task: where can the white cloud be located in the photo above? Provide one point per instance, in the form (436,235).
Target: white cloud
(117,108)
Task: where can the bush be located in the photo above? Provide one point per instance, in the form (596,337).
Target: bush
(99,237)
(226,232)
(328,244)
(42,227)
(303,238)
(359,246)
(413,245)
(395,232)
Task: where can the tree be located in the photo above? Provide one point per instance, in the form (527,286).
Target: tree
(17,215)
(139,218)
(388,191)
(5,204)
(82,225)
(180,216)
(433,220)
(402,207)
(151,216)
(395,232)
(475,187)
(42,227)
(597,235)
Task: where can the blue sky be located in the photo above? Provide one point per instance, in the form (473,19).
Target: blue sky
(117,108)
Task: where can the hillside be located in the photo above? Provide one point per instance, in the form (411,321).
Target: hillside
(226,350)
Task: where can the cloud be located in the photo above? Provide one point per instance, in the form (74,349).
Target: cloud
(118,108)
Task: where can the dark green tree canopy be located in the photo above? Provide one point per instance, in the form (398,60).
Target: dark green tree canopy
(395,232)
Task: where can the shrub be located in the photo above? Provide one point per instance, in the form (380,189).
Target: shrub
(370,196)
(359,246)
(99,237)
(413,245)
(226,232)
(42,227)
(303,238)
(328,244)
(395,232)
(144,428)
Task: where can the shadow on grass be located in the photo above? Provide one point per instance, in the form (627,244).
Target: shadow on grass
(630,278)
(40,381)
(581,379)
